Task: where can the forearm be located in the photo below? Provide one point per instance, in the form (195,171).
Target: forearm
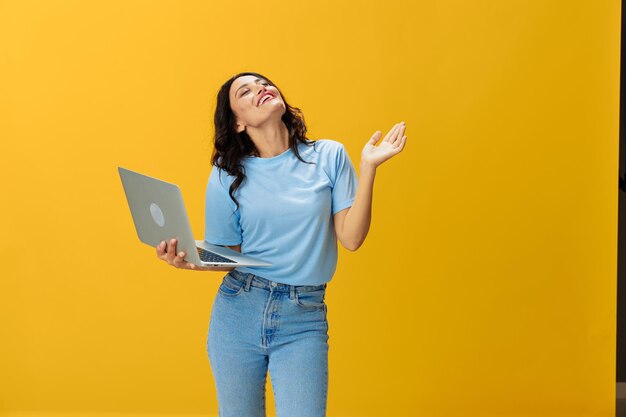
(358,218)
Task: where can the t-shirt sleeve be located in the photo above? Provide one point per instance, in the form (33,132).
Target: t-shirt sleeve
(344,187)
(222,225)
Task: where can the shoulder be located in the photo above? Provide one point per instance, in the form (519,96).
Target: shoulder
(329,149)
(329,145)
(220,176)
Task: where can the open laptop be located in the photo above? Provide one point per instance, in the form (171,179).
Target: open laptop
(159,214)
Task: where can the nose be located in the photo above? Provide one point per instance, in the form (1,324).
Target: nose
(259,93)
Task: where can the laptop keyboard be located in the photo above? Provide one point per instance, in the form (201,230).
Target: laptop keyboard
(207,256)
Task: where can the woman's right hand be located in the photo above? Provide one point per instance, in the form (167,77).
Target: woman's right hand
(168,254)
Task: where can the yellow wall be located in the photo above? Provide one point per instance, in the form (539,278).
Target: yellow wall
(503,204)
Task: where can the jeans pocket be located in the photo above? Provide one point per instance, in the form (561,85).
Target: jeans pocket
(310,299)
(231,286)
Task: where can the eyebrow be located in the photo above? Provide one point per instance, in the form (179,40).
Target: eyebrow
(243,85)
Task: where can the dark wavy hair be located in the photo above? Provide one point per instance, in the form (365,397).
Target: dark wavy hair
(230,146)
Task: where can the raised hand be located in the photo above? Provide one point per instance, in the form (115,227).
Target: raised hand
(392,144)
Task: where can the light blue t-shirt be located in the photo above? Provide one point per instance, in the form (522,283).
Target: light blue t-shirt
(286,209)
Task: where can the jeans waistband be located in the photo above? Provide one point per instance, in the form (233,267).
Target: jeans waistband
(253,280)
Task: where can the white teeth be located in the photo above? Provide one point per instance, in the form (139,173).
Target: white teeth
(267,97)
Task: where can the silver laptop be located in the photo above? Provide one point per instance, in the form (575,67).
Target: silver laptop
(159,214)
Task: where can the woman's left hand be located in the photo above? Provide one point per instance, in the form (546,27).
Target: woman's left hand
(392,145)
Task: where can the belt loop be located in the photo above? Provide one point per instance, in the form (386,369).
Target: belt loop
(248,282)
(292,292)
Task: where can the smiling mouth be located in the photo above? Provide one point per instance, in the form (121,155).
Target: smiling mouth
(265,99)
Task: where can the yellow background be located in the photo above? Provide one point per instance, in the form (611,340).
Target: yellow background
(487,284)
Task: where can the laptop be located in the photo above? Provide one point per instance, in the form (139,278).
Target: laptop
(159,214)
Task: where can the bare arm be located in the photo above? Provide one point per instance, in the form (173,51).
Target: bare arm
(353,223)
(237,248)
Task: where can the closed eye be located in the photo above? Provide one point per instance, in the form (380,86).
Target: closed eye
(247,91)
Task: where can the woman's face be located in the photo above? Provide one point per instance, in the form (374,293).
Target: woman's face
(250,105)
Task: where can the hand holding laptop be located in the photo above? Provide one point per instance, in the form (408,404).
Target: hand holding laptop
(168,254)
(159,215)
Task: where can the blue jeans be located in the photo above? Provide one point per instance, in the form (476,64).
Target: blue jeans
(258,325)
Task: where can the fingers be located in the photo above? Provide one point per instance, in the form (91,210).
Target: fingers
(160,250)
(390,133)
(168,254)
(171,251)
(396,131)
(399,145)
(375,138)
(179,260)
(399,132)
(175,259)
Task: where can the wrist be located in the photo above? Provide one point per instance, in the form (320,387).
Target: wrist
(367,168)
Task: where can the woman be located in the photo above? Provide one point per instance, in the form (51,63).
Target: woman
(276,195)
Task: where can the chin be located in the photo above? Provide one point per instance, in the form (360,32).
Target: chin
(279,108)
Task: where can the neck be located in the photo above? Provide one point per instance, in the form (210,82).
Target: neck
(270,139)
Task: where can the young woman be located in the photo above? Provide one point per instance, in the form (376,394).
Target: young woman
(276,195)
